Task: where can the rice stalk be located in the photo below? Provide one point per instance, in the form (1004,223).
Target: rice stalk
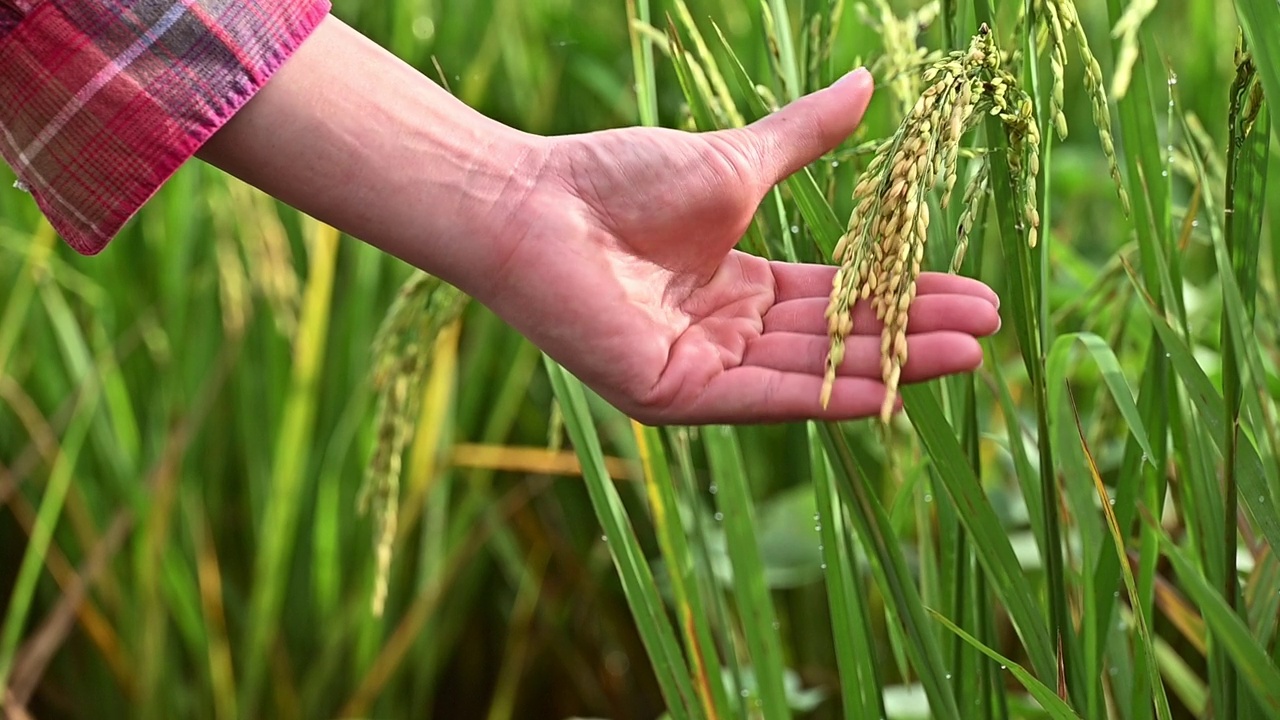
(1126,31)
(402,353)
(266,249)
(902,55)
(883,246)
(1059,18)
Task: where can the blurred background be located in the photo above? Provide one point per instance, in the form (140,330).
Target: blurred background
(187,419)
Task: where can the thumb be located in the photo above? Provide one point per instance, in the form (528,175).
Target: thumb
(783,142)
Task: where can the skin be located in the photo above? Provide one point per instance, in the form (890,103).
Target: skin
(612,251)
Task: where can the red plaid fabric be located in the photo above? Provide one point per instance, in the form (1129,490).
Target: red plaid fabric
(101,101)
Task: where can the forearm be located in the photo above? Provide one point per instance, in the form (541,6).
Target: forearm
(352,136)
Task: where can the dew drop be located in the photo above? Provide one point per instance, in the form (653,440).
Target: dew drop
(948,676)
(719,516)
(1195,223)
(794,229)
(423,28)
(776,624)
(824,566)
(1112,501)
(604,538)
(835,163)
(1164,173)
(1261,499)
(713,489)
(928,498)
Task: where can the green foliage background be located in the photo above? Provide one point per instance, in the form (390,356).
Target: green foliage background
(187,419)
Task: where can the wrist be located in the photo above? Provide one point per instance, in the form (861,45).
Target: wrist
(473,192)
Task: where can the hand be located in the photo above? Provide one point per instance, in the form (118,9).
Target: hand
(612,251)
(627,276)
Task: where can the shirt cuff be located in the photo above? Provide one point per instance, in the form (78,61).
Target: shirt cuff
(100,103)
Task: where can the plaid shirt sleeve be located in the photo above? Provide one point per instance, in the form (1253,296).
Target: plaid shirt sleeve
(101,101)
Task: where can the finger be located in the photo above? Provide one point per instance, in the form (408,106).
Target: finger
(803,280)
(746,395)
(929,313)
(781,143)
(929,356)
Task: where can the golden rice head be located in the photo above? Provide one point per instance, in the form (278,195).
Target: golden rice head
(1093,81)
(1057,63)
(881,252)
(402,361)
(975,196)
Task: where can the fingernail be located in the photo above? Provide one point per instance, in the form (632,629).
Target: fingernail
(855,79)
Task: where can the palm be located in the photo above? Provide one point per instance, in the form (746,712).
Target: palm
(667,321)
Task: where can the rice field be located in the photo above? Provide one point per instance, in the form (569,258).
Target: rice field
(250,467)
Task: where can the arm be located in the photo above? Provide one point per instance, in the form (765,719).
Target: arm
(351,135)
(612,251)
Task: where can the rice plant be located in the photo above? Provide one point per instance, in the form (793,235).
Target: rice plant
(192,423)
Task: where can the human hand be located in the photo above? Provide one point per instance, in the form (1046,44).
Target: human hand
(623,270)
(612,251)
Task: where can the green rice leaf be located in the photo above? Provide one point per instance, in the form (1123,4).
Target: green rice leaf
(1250,659)
(1112,375)
(890,568)
(1048,699)
(980,520)
(755,605)
(633,569)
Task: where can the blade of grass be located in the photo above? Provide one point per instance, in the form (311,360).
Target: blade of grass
(777,23)
(51,504)
(1055,706)
(860,684)
(18,299)
(1211,407)
(755,605)
(1028,479)
(642,62)
(277,529)
(1257,669)
(1237,327)
(624,547)
(720,89)
(1113,376)
(690,603)
(890,568)
(1159,698)
(984,526)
